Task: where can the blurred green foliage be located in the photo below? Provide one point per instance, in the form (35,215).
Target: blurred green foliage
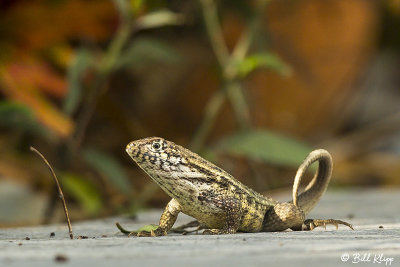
(60,88)
(19,117)
(262,60)
(84,191)
(108,167)
(264,145)
(90,69)
(75,74)
(145,51)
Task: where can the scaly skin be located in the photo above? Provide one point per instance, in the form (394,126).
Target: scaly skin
(217,200)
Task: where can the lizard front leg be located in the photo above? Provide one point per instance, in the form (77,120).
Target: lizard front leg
(167,220)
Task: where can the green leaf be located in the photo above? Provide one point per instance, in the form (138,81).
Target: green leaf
(82,62)
(12,113)
(262,60)
(159,18)
(266,146)
(148,228)
(18,116)
(83,190)
(109,168)
(143,51)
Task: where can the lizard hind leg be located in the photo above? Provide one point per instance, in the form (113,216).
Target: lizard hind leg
(286,215)
(233,214)
(310,224)
(282,216)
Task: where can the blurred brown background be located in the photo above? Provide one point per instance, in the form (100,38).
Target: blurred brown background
(253,86)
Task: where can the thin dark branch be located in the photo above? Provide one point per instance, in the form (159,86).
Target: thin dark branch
(59,190)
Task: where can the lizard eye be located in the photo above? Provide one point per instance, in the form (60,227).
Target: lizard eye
(156,145)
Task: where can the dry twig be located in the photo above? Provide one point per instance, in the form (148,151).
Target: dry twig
(61,195)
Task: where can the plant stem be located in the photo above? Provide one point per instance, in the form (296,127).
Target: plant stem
(60,192)
(209,118)
(227,62)
(214,31)
(233,88)
(242,47)
(114,51)
(235,94)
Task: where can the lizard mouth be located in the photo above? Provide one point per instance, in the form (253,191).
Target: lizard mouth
(130,148)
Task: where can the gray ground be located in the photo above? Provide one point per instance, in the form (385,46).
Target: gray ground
(367,210)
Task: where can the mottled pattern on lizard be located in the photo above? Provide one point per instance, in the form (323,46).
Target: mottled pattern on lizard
(217,200)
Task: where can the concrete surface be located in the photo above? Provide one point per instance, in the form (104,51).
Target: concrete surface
(26,204)
(367,245)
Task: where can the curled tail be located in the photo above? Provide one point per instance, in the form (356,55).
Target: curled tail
(314,190)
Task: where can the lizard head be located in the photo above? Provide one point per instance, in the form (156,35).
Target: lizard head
(157,156)
(149,152)
(175,168)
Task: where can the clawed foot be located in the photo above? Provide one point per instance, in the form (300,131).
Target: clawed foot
(213,232)
(310,224)
(218,231)
(183,228)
